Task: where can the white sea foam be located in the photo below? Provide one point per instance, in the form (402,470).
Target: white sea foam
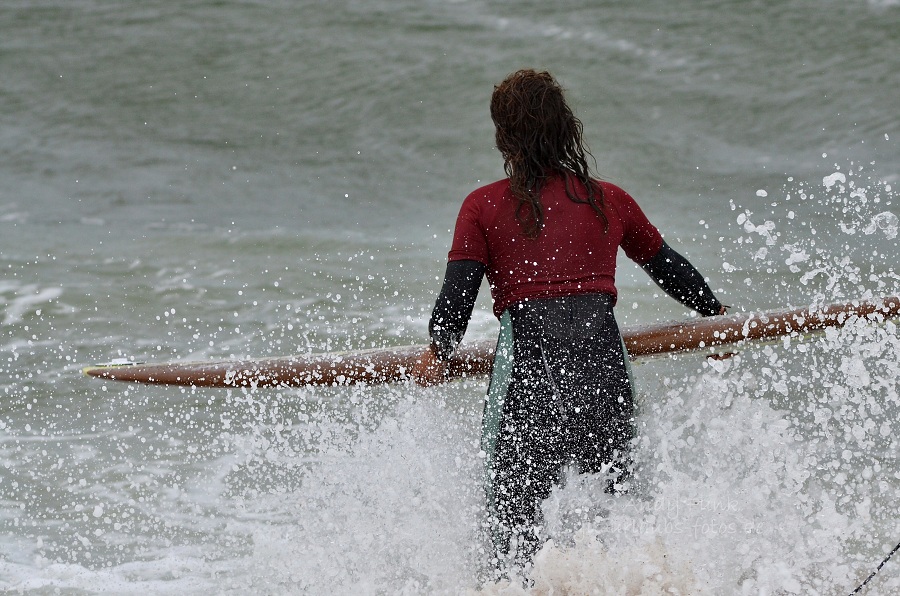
(830,180)
(25,299)
(393,511)
(886,222)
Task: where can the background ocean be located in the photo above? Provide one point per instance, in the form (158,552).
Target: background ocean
(225,178)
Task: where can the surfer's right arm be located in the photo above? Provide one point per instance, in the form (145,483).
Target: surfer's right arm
(449,319)
(454,305)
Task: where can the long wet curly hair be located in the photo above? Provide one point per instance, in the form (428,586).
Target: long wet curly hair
(540,137)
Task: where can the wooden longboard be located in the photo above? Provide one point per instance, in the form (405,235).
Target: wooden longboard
(391,365)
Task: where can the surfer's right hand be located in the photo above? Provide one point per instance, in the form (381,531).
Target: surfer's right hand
(428,370)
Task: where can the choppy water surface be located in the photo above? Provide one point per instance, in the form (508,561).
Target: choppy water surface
(228,179)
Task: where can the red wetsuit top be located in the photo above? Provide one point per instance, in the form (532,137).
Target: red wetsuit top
(574,253)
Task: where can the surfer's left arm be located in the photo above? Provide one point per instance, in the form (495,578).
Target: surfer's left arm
(449,319)
(681,280)
(673,273)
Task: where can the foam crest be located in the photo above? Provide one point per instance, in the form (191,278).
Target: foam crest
(25,299)
(393,510)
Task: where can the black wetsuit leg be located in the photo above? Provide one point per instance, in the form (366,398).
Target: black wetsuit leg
(568,401)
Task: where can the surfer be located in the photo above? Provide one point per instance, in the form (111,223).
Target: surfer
(546,237)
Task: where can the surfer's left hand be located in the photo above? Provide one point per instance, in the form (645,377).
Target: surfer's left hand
(428,370)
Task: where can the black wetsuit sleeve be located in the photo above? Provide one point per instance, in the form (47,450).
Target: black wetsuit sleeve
(680,280)
(454,305)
